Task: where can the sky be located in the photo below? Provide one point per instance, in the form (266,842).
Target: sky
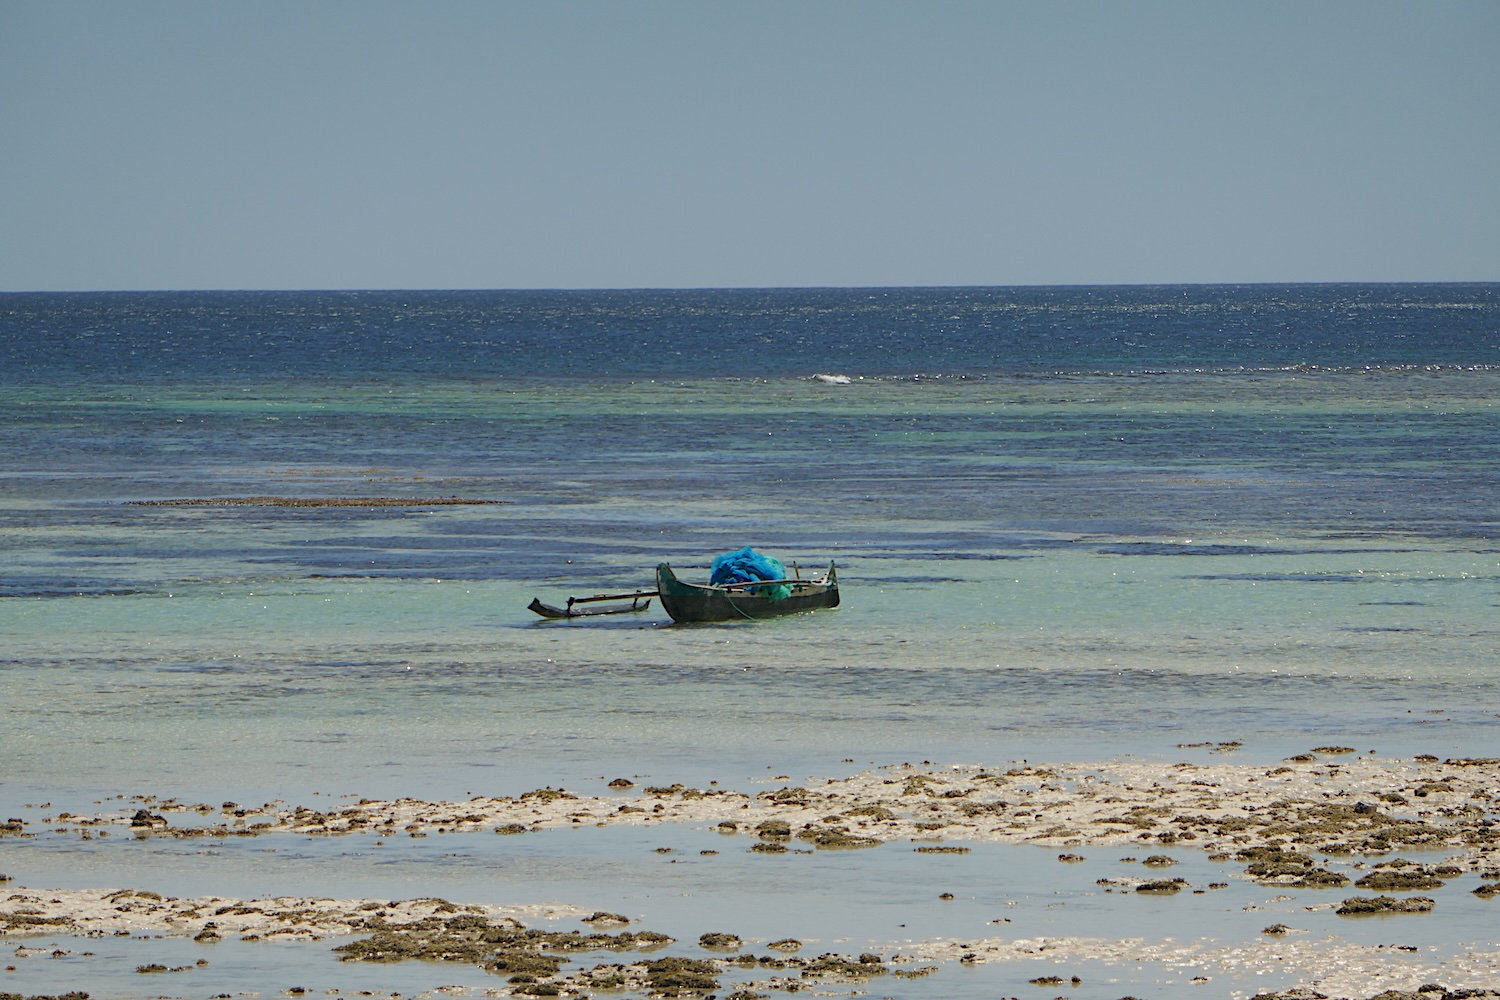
(297,144)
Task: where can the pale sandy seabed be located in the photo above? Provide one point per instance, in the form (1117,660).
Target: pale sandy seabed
(1283,822)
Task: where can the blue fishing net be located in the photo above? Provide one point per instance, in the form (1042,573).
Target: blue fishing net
(745,565)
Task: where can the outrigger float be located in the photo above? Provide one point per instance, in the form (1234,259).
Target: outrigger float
(763,596)
(639,600)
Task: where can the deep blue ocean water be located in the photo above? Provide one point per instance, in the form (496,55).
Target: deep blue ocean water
(159,338)
(1070,524)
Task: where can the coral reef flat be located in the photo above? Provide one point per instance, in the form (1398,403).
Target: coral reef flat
(1297,838)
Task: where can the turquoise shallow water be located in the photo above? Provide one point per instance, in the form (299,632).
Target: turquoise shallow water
(1271,521)
(1018,645)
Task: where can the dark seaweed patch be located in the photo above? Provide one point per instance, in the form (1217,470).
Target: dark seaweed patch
(1285,577)
(1175,549)
(1359,905)
(922,579)
(1168,549)
(49,593)
(947,556)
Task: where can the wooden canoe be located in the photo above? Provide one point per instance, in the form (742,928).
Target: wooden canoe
(688,602)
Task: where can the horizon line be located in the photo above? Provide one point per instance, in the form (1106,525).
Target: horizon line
(737,288)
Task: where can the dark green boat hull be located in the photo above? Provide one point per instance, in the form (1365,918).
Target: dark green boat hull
(687,602)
